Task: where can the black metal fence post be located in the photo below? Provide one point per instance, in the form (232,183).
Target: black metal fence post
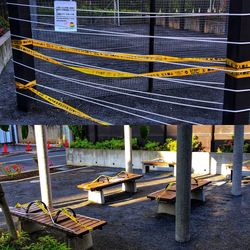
(182,10)
(238,31)
(152,23)
(21,29)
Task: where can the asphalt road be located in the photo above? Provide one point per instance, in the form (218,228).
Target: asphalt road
(27,163)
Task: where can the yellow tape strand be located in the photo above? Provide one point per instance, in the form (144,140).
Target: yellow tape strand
(59,104)
(47,212)
(115,55)
(20,44)
(168,187)
(71,217)
(115,74)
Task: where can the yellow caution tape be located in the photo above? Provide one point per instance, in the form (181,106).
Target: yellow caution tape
(58,103)
(96,180)
(115,74)
(168,187)
(65,211)
(71,217)
(114,55)
(20,44)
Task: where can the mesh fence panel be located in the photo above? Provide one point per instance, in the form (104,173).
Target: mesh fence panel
(103,16)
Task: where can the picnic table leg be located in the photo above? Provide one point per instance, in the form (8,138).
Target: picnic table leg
(129,186)
(83,243)
(145,168)
(198,195)
(166,208)
(96,196)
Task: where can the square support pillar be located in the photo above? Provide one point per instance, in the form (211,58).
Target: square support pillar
(198,194)
(166,208)
(96,196)
(144,168)
(129,187)
(83,243)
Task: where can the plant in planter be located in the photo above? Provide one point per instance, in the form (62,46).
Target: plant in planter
(12,170)
(4,26)
(152,146)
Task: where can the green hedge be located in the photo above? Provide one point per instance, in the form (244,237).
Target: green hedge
(4,26)
(169,145)
(23,242)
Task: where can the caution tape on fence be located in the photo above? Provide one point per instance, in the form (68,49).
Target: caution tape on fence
(59,104)
(235,67)
(113,55)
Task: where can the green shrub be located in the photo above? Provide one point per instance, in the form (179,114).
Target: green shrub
(196,144)
(110,144)
(23,242)
(246,147)
(152,145)
(78,131)
(170,145)
(106,144)
(7,243)
(47,243)
(228,147)
(4,26)
(82,144)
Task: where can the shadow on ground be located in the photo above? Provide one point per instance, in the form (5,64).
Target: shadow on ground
(223,222)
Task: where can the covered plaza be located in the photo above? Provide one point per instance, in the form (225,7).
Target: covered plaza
(132,219)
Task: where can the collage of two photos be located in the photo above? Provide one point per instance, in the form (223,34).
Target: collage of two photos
(124,124)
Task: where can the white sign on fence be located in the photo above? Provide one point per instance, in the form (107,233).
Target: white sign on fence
(65,16)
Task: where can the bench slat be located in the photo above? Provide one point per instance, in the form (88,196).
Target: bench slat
(170,195)
(104,183)
(69,225)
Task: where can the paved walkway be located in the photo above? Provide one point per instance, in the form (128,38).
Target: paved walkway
(223,222)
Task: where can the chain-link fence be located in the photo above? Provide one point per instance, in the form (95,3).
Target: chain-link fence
(142,27)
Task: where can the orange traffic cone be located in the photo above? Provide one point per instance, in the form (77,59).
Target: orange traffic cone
(5,149)
(48,145)
(28,147)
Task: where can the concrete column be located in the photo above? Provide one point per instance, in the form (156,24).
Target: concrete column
(128,148)
(237,159)
(183,183)
(42,157)
(67,134)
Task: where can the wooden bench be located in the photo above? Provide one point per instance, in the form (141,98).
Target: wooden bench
(158,162)
(166,197)
(32,219)
(95,188)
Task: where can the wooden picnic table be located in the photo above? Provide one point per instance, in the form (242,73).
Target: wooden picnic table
(166,197)
(95,188)
(78,234)
(158,162)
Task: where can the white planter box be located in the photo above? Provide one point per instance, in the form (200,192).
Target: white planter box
(202,162)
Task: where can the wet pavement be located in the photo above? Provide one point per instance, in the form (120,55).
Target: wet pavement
(222,222)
